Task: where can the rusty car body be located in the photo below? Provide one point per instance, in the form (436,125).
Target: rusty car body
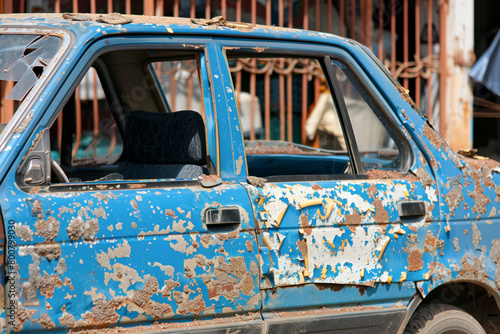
(185,225)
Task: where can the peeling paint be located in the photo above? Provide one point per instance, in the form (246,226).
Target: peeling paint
(48,229)
(120,251)
(24,232)
(148,255)
(78,228)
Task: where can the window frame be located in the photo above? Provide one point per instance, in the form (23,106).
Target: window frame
(325,55)
(88,60)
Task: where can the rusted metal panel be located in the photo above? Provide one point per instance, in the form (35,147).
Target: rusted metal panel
(341,233)
(109,256)
(468,235)
(96,254)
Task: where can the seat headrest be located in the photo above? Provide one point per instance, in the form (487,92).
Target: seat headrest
(165,138)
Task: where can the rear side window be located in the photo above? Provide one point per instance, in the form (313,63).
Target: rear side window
(293,127)
(286,122)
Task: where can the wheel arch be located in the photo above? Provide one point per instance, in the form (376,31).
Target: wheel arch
(474,297)
(449,292)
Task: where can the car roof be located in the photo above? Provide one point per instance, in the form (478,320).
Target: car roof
(97,25)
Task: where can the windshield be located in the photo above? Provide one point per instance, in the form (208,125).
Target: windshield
(23,60)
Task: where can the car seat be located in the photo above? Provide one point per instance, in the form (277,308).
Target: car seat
(163,146)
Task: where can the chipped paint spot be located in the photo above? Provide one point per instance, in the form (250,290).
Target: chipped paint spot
(48,229)
(434,137)
(456,244)
(179,244)
(454,198)
(381,214)
(170,284)
(353,221)
(99,213)
(239,164)
(61,268)
(170,213)
(78,228)
(156,231)
(126,275)
(415,262)
(120,251)
(167,269)
(24,232)
(476,235)
(372,190)
(49,250)
(424,177)
(249,245)
(256,181)
(46,322)
(104,197)
(64,209)
(495,257)
(67,319)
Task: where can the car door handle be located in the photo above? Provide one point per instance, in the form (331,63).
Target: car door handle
(411,209)
(222,216)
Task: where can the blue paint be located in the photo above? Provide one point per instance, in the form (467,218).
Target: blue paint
(125,253)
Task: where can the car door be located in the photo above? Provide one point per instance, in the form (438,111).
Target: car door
(346,224)
(93,253)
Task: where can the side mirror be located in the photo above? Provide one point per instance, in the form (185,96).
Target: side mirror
(35,169)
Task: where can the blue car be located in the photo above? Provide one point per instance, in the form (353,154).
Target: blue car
(185,175)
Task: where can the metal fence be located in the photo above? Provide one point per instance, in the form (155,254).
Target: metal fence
(408,36)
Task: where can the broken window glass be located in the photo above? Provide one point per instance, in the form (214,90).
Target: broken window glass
(23,59)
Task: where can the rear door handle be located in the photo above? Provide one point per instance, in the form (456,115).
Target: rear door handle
(222,216)
(411,209)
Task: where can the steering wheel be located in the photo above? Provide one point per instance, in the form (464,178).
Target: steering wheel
(58,172)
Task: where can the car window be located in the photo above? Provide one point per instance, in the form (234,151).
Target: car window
(378,143)
(290,126)
(23,60)
(97,139)
(135,115)
(180,84)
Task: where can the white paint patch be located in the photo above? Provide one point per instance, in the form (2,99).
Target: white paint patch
(239,164)
(168,270)
(120,251)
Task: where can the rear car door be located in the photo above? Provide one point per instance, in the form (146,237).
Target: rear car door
(345,204)
(131,236)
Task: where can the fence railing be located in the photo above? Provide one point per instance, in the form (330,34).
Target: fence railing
(407,36)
